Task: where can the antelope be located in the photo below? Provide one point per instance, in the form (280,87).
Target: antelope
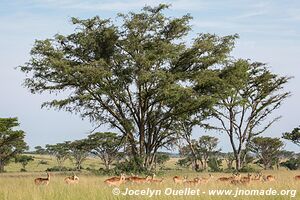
(234,177)
(196,181)
(269,178)
(297,178)
(155,180)
(135,179)
(42,181)
(179,180)
(72,179)
(115,181)
(205,180)
(242,180)
(257,177)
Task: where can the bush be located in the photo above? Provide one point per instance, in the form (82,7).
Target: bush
(291,164)
(249,169)
(131,166)
(57,168)
(215,164)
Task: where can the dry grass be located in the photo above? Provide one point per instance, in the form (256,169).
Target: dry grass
(20,186)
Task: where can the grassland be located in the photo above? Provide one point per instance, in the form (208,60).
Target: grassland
(20,186)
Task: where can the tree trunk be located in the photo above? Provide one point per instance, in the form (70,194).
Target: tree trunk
(238,164)
(1,167)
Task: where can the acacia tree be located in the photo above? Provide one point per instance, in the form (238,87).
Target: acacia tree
(267,150)
(293,136)
(132,77)
(79,151)
(106,146)
(250,93)
(60,151)
(207,148)
(24,160)
(11,141)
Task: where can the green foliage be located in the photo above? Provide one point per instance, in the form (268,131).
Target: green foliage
(79,151)
(106,146)
(130,166)
(132,75)
(11,141)
(292,164)
(40,150)
(215,164)
(267,150)
(24,160)
(60,151)
(293,136)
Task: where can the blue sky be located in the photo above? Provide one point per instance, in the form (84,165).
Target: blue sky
(269,32)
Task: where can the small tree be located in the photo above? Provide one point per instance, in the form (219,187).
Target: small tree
(267,150)
(40,150)
(11,141)
(229,159)
(105,145)
(24,160)
(207,147)
(293,136)
(79,150)
(60,151)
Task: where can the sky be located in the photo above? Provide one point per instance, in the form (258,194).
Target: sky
(269,32)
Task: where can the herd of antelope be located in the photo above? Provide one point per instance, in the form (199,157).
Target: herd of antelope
(116,181)
(68,180)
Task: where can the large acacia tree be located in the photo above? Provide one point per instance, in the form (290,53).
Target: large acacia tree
(134,76)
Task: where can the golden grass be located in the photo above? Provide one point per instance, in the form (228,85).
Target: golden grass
(20,186)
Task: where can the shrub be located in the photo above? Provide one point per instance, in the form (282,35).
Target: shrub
(291,164)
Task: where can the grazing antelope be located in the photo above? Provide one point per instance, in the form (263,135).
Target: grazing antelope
(153,180)
(115,181)
(242,180)
(269,178)
(194,182)
(205,180)
(179,180)
(42,181)
(297,178)
(72,179)
(257,177)
(135,179)
(233,177)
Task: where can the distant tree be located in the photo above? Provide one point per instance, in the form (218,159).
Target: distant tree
(207,147)
(11,141)
(267,150)
(291,164)
(250,92)
(215,164)
(24,160)
(79,151)
(161,158)
(200,150)
(229,159)
(106,146)
(60,151)
(293,136)
(40,150)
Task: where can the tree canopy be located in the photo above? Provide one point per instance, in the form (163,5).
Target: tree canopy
(11,141)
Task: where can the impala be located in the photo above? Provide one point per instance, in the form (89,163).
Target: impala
(115,181)
(297,177)
(179,180)
(42,181)
(135,179)
(269,178)
(233,177)
(153,180)
(72,179)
